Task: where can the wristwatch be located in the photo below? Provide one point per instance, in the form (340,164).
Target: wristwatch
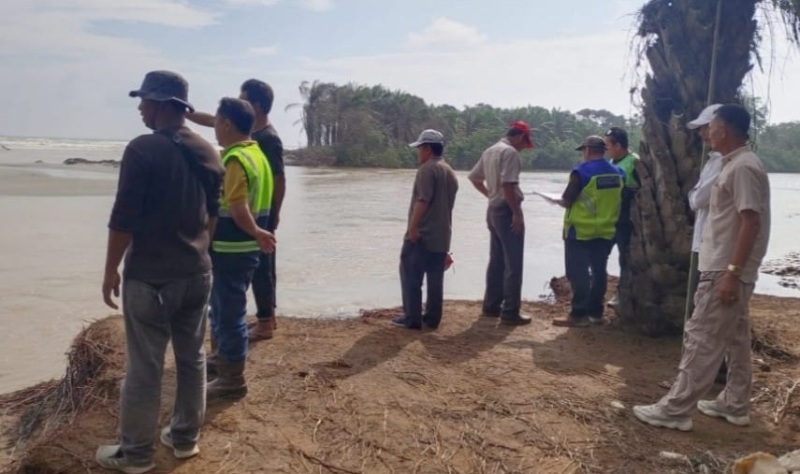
(735,269)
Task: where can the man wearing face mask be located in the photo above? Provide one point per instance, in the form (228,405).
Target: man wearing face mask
(164,214)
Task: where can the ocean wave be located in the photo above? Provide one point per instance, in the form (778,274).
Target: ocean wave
(43,143)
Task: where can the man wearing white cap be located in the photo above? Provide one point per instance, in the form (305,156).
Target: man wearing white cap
(427,238)
(700,195)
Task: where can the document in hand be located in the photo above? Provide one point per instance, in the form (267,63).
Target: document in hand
(552,198)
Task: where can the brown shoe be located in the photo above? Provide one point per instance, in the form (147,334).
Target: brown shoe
(262,330)
(229,384)
(571,322)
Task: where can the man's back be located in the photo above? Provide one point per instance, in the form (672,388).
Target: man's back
(166,193)
(499,164)
(436,183)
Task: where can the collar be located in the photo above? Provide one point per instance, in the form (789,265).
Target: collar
(730,156)
(241,144)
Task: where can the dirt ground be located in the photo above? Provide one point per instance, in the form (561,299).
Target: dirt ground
(360,396)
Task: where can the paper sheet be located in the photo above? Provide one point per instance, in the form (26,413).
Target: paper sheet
(552,198)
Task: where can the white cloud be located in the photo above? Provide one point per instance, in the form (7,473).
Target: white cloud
(444,31)
(263,51)
(265,3)
(316,5)
(312,5)
(562,72)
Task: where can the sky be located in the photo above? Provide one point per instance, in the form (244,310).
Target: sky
(66,66)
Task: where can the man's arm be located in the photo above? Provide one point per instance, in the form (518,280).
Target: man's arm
(477,178)
(201,118)
(125,218)
(211,227)
(480,186)
(235,190)
(420,208)
(277,198)
(749,225)
(118,243)
(572,191)
(510,167)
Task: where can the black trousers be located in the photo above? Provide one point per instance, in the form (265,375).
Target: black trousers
(585,262)
(418,263)
(504,273)
(264,283)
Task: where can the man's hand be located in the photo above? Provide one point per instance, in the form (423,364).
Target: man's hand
(517,224)
(111,285)
(413,235)
(266,241)
(729,289)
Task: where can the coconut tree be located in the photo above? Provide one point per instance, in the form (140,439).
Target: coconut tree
(677,39)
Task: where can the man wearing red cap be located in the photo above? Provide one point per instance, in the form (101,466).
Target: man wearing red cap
(496,176)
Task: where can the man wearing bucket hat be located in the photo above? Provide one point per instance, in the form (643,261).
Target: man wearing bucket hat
(592,200)
(496,176)
(428,234)
(164,213)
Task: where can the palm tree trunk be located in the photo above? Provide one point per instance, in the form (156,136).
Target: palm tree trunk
(677,38)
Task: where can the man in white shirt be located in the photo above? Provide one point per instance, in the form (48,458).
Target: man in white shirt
(700,198)
(700,195)
(496,176)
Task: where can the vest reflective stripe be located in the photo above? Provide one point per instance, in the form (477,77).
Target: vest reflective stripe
(595,213)
(228,237)
(628,165)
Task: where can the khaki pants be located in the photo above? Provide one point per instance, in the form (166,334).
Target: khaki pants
(713,332)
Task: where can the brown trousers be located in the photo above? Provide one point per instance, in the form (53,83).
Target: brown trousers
(713,332)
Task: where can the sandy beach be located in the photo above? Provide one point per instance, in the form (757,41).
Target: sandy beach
(359,396)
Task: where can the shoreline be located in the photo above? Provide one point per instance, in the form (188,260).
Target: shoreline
(357,395)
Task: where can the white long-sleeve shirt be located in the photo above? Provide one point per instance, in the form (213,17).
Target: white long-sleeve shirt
(700,196)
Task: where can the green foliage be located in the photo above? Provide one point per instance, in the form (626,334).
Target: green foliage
(779,147)
(371,127)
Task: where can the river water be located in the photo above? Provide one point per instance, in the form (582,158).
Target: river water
(338,244)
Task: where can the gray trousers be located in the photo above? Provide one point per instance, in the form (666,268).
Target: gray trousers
(714,331)
(504,274)
(156,312)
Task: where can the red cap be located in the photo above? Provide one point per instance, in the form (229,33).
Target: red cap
(526,132)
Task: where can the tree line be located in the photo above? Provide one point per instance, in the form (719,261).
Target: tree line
(355,125)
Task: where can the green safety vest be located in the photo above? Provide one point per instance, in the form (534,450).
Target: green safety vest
(595,213)
(228,237)
(628,165)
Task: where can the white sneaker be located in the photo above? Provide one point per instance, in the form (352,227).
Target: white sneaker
(613,302)
(715,409)
(166,440)
(654,415)
(110,457)
(596,320)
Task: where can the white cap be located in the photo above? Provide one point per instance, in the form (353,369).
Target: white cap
(428,136)
(704,118)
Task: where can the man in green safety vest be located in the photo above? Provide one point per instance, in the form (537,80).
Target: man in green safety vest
(616,140)
(592,201)
(238,239)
